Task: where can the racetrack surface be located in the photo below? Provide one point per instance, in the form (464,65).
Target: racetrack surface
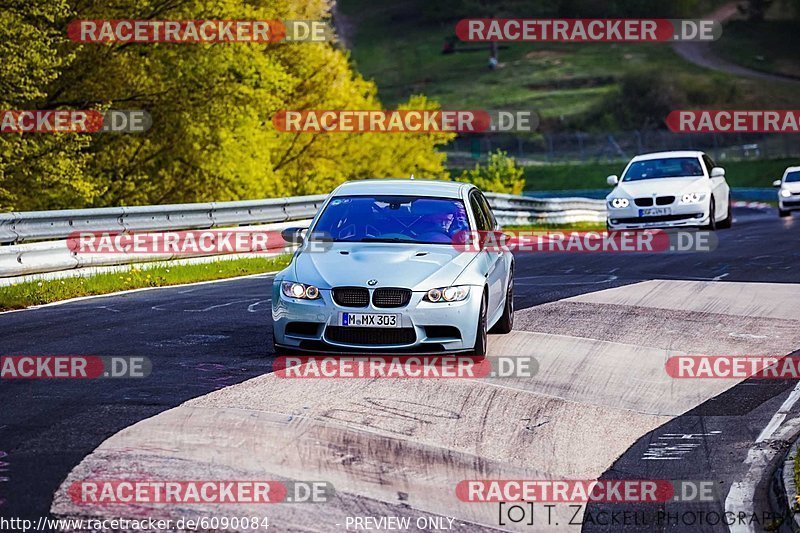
(600,325)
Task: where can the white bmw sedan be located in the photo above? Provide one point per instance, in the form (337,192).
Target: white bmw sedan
(670,189)
(788,191)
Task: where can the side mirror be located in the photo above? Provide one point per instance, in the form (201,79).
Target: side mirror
(612,180)
(717,172)
(293,235)
(776,183)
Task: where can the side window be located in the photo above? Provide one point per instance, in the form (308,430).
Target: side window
(480,217)
(487,211)
(709,163)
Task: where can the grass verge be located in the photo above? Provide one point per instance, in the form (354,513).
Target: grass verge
(401,50)
(574,226)
(40,292)
(769,45)
(547,177)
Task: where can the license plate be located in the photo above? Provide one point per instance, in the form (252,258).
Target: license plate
(369,320)
(655,212)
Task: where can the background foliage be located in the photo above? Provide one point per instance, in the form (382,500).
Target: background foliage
(212,104)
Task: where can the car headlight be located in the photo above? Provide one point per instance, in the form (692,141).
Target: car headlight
(447,294)
(692,197)
(620,203)
(785,193)
(299,290)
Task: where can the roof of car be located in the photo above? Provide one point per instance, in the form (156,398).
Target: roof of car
(791,169)
(677,153)
(441,189)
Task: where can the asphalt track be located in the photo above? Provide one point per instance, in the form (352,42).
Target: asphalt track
(601,326)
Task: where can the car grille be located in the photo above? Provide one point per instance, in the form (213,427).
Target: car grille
(665,200)
(391,297)
(370,336)
(351,296)
(791,202)
(648,202)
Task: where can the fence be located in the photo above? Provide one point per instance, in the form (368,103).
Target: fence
(34,242)
(618,147)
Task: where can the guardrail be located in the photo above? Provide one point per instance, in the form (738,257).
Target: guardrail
(34,242)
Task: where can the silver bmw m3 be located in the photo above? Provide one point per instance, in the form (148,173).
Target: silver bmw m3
(380,269)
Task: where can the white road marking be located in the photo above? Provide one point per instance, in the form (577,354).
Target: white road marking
(741,496)
(217,306)
(665,449)
(252,307)
(747,336)
(780,415)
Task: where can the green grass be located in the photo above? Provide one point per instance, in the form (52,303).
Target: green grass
(401,52)
(796,506)
(769,46)
(593,175)
(41,292)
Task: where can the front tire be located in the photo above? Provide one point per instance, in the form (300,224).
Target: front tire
(783,213)
(725,224)
(712,220)
(482,336)
(506,322)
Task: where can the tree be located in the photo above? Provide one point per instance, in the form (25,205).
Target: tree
(212,105)
(37,171)
(501,174)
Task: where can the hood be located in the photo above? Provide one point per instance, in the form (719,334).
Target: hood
(415,266)
(662,187)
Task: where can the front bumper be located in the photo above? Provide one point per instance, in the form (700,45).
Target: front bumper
(789,204)
(313,325)
(681,215)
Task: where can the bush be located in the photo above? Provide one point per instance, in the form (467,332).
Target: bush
(645,98)
(501,174)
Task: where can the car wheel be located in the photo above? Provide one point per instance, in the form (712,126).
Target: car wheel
(728,219)
(712,221)
(783,213)
(482,336)
(506,322)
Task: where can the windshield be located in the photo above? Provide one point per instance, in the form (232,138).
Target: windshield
(411,219)
(671,167)
(792,177)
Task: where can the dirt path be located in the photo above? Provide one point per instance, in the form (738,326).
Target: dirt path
(703,55)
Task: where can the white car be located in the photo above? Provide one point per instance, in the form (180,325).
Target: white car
(788,191)
(670,189)
(392,277)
